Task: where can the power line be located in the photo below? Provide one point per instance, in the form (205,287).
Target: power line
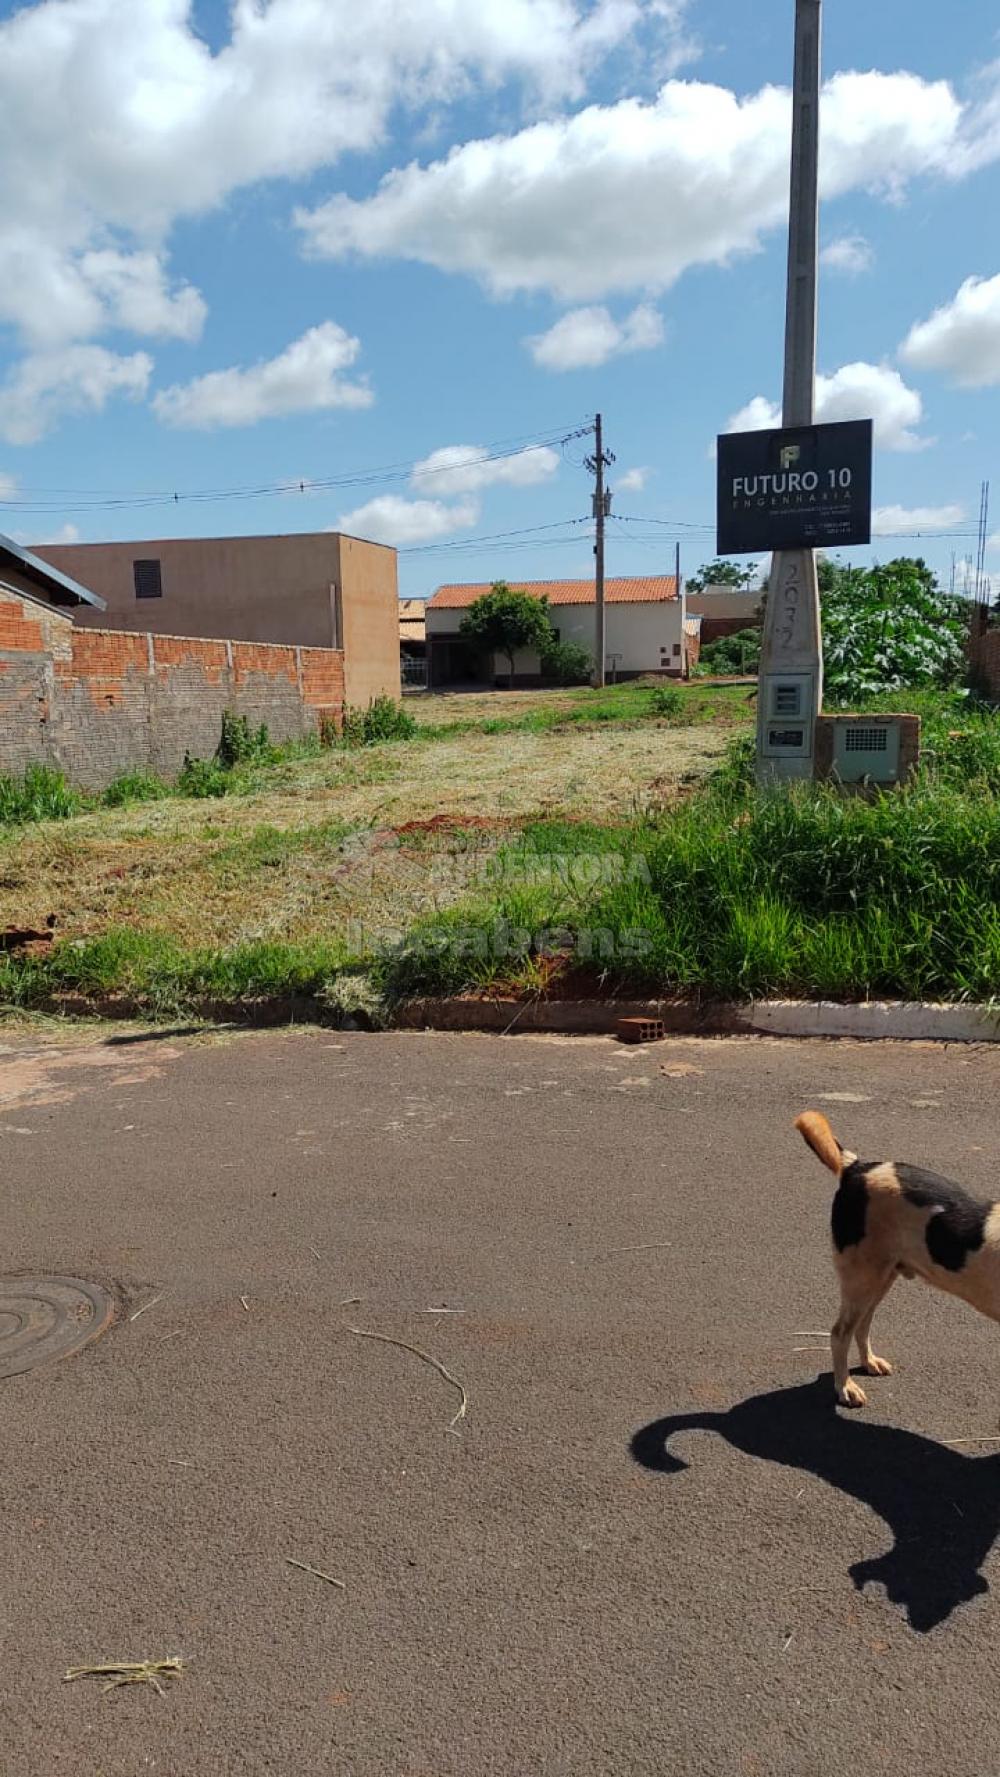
(83,500)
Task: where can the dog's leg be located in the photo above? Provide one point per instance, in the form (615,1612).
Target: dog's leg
(862,1289)
(872,1365)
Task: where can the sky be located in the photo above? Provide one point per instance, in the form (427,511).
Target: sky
(295,265)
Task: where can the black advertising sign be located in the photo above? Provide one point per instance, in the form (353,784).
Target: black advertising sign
(799,487)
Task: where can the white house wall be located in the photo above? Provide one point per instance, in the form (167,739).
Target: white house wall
(646,637)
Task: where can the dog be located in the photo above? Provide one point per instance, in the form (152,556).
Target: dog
(888,1221)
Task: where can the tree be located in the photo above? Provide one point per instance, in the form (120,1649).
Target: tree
(503,620)
(887,628)
(722,573)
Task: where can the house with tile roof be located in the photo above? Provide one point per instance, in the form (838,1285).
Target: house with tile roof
(643,621)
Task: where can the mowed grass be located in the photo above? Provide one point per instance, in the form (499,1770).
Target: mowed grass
(311,846)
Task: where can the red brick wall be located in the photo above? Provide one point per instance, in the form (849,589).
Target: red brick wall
(98,702)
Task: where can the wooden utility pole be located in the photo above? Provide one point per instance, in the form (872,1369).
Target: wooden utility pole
(602,459)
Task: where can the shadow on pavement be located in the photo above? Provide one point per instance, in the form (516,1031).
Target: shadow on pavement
(942,1507)
(157,1036)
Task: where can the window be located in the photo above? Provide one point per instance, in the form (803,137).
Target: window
(148,581)
(677,648)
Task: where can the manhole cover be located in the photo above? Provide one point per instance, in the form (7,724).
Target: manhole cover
(42,1318)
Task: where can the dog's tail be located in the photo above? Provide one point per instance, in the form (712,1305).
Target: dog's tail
(815,1129)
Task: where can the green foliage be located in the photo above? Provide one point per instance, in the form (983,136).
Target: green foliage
(667,701)
(722,573)
(731,655)
(203,778)
(566,663)
(885,628)
(134,786)
(382,720)
(503,620)
(239,744)
(40,795)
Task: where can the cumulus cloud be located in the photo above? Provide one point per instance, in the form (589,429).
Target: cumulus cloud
(962,338)
(304,378)
(588,337)
(468,468)
(633,481)
(390,518)
(8,487)
(45,386)
(907,521)
(854,392)
(67,533)
(695,176)
(851,254)
(116,119)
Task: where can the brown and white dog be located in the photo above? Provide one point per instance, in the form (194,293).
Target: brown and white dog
(889,1221)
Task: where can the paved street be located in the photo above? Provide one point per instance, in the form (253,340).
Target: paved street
(651,1546)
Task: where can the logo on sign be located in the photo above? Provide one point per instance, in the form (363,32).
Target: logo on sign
(790,453)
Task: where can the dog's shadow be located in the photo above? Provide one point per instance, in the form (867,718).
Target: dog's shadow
(942,1506)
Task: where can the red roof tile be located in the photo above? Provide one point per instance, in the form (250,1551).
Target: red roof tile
(645,590)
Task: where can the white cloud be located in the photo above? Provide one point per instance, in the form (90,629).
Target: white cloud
(116,119)
(962,338)
(633,481)
(67,533)
(908,520)
(694,177)
(854,392)
(43,387)
(8,487)
(588,337)
(467,468)
(392,519)
(304,378)
(851,254)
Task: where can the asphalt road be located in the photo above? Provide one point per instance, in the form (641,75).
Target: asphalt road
(653,1545)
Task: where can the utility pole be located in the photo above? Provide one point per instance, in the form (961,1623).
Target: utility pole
(791,665)
(602,459)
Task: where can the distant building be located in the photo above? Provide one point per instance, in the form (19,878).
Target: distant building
(23,571)
(724,610)
(413,643)
(315,589)
(644,631)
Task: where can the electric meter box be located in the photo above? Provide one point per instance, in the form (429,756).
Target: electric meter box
(872,749)
(788,706)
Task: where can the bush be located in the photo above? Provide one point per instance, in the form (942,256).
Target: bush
(41,795)
(568,663)
(731,655)
(667,701)
(203,778)
(134,786)
(382,720)
(239,744)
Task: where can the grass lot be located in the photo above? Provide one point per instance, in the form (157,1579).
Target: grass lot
(302,850)
(532,850)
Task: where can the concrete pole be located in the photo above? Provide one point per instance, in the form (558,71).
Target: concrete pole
(600,644)
(791,649)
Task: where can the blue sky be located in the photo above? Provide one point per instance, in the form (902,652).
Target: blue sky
(302,241)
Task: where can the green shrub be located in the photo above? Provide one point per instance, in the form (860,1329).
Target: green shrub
(567,663)
(134,786)
(667,701)
(383,720)
(731,656)
(40,795)
(239,744)
(203,778)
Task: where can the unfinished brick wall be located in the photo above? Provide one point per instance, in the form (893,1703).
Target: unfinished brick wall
(984,654)
(96,702)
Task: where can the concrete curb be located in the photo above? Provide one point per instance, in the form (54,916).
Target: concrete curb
(873,1021)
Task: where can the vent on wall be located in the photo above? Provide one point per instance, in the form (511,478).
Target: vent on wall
(148,580)
(866,740)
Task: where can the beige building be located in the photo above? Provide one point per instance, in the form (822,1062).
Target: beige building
(316,589)
(643,630)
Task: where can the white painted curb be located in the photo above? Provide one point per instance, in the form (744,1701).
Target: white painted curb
(901,1021)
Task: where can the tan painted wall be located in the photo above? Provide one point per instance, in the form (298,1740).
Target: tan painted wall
(255,589)
(370,606)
